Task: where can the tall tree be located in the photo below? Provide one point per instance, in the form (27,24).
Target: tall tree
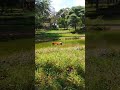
(42,10)
(76,17)
(73,20)
(62,17)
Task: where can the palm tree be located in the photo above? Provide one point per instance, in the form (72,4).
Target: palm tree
(76,17)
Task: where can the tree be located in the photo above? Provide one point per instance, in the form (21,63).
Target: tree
(62,17)
(76,17)
(42,11)
(73,20)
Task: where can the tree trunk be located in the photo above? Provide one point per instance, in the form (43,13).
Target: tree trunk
(75,27)
(67,26)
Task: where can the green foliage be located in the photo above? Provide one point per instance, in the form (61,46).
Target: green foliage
(42,11)
(73,20)
(76,17)
(65,17)
(71,17)
(61,22)
(62,18)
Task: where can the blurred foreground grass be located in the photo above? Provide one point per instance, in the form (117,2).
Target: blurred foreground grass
(17,65)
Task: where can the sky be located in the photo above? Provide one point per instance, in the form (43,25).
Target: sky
(59,4)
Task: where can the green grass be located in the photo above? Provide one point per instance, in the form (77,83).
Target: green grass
(51,35)
(17,64)
(102,69)
(13,46)
(66,43)
(57,67)
(59,31)
(106,39)
(102,61)
(60,67)
(55,31)
(17,71)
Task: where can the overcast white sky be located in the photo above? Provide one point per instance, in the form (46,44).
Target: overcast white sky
(58,4)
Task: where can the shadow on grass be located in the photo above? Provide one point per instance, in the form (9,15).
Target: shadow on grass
(103,71)
(80,72)
(17,71)
(57,77)
(44,37)
(102,61)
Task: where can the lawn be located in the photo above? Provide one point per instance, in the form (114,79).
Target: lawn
(60,67)
(42,36)
(17,64)
(102,60)
(13,46)
(57,67)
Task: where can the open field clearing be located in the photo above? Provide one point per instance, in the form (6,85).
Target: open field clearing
(60,67)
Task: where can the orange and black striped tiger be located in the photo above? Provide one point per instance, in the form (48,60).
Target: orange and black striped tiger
(56,43)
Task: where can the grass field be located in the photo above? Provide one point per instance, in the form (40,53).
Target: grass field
(102,60)
(60,67)
(17,64)
(13,46)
